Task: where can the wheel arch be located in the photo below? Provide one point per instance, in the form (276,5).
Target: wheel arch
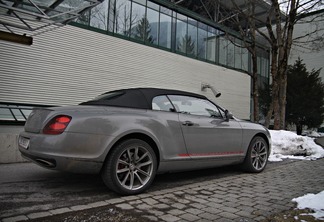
(140,136)
(247,163)
(265,138)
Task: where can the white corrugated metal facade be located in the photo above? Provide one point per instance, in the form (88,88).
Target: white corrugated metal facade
(69,65)
(311,51)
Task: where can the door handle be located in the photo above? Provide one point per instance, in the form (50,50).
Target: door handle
(187,123)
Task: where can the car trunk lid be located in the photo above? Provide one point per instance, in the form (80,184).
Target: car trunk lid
(40,116)
(35,121)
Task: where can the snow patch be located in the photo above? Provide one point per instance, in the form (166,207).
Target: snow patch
(314,202)
(287,144)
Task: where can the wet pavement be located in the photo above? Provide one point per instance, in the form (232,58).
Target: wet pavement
(221,194)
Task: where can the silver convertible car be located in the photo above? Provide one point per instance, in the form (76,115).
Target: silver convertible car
(130,135)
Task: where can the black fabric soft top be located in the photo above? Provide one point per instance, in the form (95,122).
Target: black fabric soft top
(139,98)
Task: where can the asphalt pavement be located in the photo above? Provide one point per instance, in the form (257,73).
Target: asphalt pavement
(29,192)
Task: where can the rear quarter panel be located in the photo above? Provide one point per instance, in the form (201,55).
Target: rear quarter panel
(113,124)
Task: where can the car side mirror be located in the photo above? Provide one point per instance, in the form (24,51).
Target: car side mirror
(228,115)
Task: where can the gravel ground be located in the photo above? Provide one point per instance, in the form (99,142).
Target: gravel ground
(112,214)
(104,214)
(293,215)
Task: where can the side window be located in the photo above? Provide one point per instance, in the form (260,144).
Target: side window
(161,103)
(195,106)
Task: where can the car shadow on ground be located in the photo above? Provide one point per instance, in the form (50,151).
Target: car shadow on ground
(176,179)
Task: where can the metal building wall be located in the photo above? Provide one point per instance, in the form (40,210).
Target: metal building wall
(311,52)
(69,65)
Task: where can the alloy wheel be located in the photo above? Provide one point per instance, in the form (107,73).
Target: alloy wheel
(259,155)
(134,168)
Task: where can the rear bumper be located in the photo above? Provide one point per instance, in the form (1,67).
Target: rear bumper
(72,152)
(73,165)
(44,162)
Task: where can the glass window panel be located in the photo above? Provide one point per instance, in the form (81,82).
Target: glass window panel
(251,64)
(267,67)
(153,26)
(259,65)
(67,5)
(18,114)
(191,41)
(202,41)
(140,25)
(122,17)
(222,51)
(165,10)
(5,114)
(181,36)
(264,67)
(26,112)
(245,59)
(46,3)
(143,2)
(153,5)
(238,56)
(195,106)
(230,54)
(161,103)
(111,15)
(165,31)
(182,17)
(211,44)
(84,18)
(99,16)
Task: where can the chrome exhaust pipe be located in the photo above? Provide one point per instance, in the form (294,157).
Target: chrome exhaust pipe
(45,163)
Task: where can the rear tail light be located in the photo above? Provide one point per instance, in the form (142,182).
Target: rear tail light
(57,125)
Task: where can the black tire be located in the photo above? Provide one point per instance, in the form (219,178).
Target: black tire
(257,155)
(130,168)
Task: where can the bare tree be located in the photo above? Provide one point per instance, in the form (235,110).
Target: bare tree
(123,21)
(280,37)
(276,26)
(312,40)
(99,16)
(233,17)
(248,35)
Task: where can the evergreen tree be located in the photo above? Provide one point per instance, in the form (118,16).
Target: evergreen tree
(187,45)
(143,30)
(305,97)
